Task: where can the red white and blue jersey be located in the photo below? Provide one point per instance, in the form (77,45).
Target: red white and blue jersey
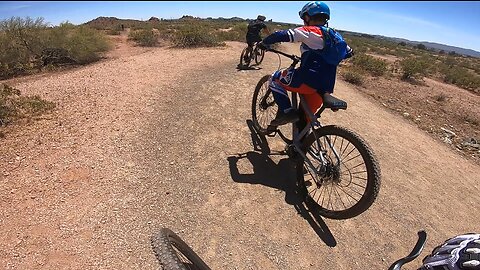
(313,71)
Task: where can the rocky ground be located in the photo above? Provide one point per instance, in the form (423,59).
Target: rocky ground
(159,137)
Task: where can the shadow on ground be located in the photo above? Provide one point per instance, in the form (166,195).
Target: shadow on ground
(253,67)
(281,176)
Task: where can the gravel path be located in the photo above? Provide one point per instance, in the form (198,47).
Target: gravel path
(160,139)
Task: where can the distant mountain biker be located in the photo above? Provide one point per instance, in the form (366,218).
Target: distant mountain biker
(322,50)
(253,32)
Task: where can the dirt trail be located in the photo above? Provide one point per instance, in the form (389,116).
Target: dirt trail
(150,140)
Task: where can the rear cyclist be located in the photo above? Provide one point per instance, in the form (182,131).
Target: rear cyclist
(322,50)
(253,34)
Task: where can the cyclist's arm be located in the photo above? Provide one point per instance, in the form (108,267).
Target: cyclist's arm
(306,34)
(266,30)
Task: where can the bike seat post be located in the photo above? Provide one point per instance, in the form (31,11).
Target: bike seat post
(311,115)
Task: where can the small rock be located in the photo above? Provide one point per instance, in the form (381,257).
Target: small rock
(449,132)
(405,114)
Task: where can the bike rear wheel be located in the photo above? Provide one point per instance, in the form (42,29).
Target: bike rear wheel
(344,190)
(245,57)
(174,254)
(264,108)
(259,55)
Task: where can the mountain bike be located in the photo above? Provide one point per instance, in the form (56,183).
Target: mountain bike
(174,254)
(337,171)
(249,54)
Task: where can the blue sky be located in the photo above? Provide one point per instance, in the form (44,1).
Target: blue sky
(455,23)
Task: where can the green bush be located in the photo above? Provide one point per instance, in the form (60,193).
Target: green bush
(462,78)
(236,33)
(353,77)
(14,106)
(24,41)
(370,64)
(83,43)
(113,32)
(195,37)
(144,37)
(413,68)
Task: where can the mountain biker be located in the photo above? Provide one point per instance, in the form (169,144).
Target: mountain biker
(253,31)
(315,77)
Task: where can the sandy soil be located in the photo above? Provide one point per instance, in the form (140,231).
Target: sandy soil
(159,138)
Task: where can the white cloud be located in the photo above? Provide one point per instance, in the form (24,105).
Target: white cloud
(13,8)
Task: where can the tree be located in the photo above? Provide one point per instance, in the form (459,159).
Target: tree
(421,46)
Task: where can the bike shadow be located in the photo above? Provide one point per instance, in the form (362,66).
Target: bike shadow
(253,67)
(281,176)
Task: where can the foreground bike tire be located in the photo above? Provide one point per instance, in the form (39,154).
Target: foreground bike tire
(174,254)
(262,115)
(371,177)
(244,63)
(259,55)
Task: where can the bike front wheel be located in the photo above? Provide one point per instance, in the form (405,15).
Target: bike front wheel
(259,55)
(264,108)
(174,254)
(343,187)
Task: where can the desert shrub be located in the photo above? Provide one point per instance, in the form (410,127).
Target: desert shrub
(21,40)
(144,37)
(113,32)
(462,78)
(83,43)
(421,46)
(189,37)
(440,97)
(236,33)
(370,64)
(353,77)
(24,41)
(413,67)
(14,106)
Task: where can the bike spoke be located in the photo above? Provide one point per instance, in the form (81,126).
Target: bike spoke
(343,157)
(364,187)
(346,147)
(358,165)
(345,161)
(336,191)
(348,194)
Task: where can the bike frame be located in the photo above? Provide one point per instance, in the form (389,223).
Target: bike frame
(298,136)
(254,51)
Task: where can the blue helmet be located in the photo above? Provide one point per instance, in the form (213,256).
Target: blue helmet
(313,8)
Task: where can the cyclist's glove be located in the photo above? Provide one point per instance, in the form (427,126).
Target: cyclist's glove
(263,46)
(349,53)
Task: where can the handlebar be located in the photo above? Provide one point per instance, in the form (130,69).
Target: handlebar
(422,238)
(295,58)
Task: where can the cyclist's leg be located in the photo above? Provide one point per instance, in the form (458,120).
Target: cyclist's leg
(249,52)
(291,80)
(279,93)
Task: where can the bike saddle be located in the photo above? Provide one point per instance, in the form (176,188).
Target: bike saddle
(331,102)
